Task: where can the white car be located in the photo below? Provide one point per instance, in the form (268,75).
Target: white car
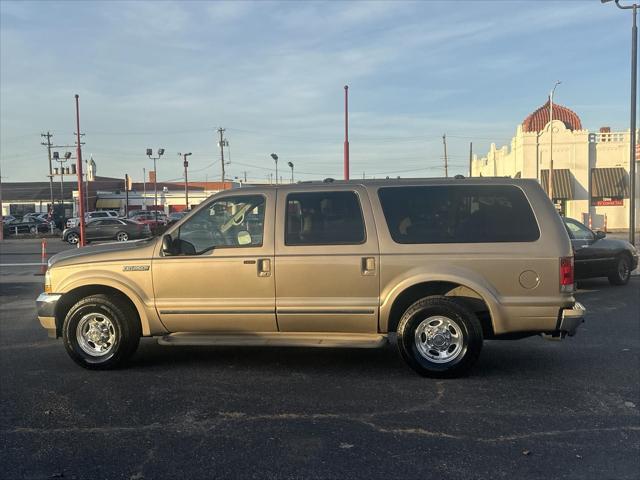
(73,222)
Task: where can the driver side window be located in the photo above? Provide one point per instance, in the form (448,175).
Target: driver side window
(226,222)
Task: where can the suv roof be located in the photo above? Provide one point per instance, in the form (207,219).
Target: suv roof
(457,180)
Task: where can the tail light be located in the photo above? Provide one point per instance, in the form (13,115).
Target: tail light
(566,274)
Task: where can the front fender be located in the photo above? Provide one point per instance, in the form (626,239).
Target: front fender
(144,304)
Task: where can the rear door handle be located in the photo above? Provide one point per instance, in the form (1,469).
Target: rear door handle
(264,267)
(368,266)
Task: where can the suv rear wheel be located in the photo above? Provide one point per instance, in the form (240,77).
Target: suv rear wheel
(100,332)
(439,337)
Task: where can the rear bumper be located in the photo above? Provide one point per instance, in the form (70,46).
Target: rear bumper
(572,318)
(568,322)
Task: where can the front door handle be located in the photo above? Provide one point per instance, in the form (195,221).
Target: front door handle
(264,267)
(368,266)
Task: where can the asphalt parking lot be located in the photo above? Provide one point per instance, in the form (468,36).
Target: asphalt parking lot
(530,409)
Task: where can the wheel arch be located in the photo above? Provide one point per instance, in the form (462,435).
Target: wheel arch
(77,292)
(478,299)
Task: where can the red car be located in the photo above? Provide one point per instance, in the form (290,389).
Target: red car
(149,218)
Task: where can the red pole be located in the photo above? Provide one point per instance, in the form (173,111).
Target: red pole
(43,257)
(79,173)
(346,132)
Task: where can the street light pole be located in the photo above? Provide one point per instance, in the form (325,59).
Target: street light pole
(346,132)
(186,180)
(550,184)
(155,180)
(275,159)
(291,167)
(632,126)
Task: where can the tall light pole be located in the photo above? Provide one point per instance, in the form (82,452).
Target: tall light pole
(550,185)
(185,164)
(632,127)
(155,179)
(346,132)
(61,161)
(291,167)
(275,159)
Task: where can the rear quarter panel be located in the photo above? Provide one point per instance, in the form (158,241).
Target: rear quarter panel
(492,270)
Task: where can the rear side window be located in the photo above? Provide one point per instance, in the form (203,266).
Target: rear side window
(458,214)
(324,218)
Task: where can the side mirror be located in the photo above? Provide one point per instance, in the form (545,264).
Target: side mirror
(167,245)
(600,235)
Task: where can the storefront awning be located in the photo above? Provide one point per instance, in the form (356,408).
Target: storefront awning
(609,183)
(562,183)
(109,203)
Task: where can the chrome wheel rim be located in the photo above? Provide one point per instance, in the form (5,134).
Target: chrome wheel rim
(96,334)
(73,238)
(33,230)
(122,237)
(439,339)
(623,269)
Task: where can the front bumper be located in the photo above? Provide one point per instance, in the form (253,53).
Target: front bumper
(568,322)
(46,307)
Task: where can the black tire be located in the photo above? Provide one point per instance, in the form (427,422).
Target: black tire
(124,327)
(622,271)
(122,236)
(33,230)
(453,316)
(73,238)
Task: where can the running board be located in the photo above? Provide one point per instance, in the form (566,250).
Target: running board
(277,339)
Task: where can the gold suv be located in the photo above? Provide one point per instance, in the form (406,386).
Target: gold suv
(443,263)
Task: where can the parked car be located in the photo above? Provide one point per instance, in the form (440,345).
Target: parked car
(119,229)
(443,263)
(151,218)
(26,225)
(173,217)
(598,256)
(73,222)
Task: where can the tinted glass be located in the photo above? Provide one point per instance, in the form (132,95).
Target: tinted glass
(228,222)
(324,218)
(458,214)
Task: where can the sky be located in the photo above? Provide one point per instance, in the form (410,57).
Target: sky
(165,74)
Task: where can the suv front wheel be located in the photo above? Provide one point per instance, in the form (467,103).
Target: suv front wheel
(439,337)
(100,332)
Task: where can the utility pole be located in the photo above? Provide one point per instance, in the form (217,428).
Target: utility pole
(81,192)
(470,159)
(48,144)
(446,163)
(222,143)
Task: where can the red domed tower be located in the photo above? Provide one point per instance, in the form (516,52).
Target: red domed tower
(539,119)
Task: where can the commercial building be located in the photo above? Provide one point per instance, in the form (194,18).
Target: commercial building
(590,169)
